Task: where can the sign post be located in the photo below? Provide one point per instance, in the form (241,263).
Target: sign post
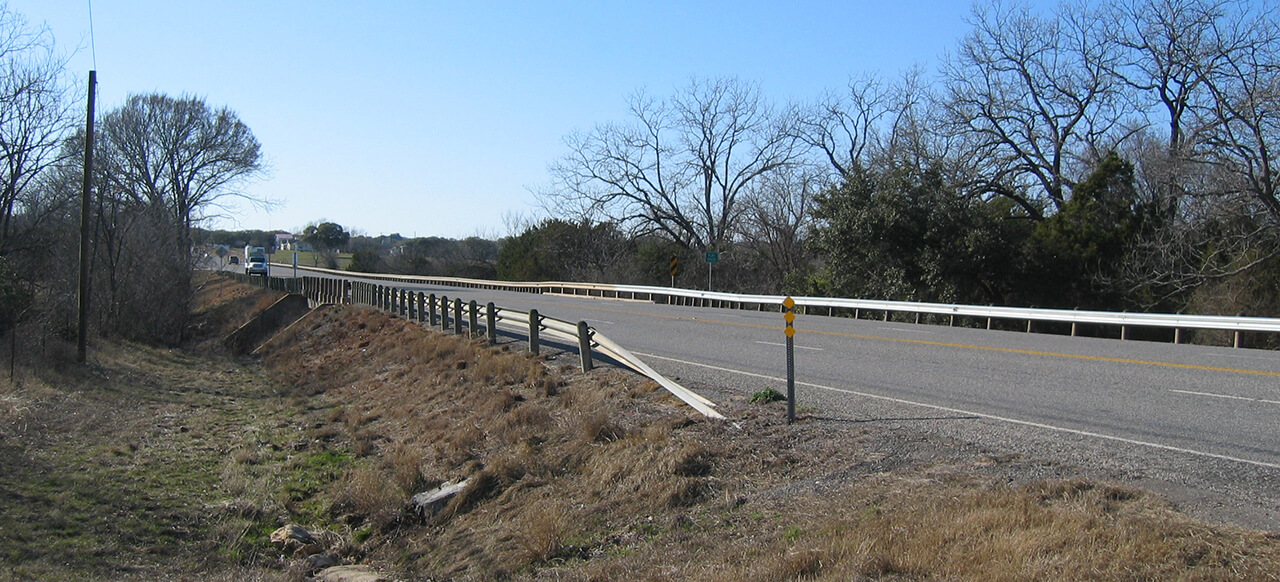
(789,306)
(711,258)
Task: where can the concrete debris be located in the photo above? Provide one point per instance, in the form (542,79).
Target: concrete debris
(429,503)
(350,574)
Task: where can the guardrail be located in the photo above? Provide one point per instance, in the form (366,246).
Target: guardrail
(1125,321)
(430,310)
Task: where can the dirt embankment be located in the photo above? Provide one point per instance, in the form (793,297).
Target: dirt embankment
(601,476)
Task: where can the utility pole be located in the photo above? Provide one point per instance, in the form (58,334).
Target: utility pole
(82,339)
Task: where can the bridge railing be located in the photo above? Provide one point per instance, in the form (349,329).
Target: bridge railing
(1126,322)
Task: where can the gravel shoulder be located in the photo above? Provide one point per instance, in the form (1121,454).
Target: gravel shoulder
(1214,490)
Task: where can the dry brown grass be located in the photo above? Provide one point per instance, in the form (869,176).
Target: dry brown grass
(1060,530)
(600,477)
(573,476)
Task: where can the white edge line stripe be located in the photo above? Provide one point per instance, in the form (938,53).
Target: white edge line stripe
(797,347)
(983,415)
(1210,394)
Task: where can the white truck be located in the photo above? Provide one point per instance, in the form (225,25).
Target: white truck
(255,260)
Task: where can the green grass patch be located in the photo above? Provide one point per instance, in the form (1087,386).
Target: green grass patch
(766,396)
(312,259)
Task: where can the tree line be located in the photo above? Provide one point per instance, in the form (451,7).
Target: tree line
(161,165)
(1119,154)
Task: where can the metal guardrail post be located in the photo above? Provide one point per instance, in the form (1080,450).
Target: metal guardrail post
(535,325)
(584,345)
(491,323)
(472,315)
(457,316)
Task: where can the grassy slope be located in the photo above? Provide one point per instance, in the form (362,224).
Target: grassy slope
(157,464)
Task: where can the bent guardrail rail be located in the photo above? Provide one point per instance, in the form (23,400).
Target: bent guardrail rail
(1123,320)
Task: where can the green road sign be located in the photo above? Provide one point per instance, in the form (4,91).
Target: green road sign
(713,257)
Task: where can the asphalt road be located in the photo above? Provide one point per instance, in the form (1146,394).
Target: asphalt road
(1196,422)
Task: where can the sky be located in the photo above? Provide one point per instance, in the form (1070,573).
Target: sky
(429,118)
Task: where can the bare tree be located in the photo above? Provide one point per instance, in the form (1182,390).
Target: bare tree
(178,155)
(874,122)
(680,168)
(1244,140)
(845,129)
(160,164)
(1173,53)
(1033,96)
(35,117)
(778,217)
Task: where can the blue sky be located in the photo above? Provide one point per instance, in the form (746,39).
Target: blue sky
(436,118)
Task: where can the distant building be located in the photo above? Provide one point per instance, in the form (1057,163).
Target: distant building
(285,242)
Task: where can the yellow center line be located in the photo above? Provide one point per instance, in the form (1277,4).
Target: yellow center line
(954,345)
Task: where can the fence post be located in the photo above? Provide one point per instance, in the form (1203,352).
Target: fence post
(491,320)
(431,310)
(584,345)
(422,303)
(457,316)
(535,323)
(444,313)
(471,318)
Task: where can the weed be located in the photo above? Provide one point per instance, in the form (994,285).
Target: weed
(766,396)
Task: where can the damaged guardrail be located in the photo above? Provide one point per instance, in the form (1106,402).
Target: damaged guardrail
(455,314)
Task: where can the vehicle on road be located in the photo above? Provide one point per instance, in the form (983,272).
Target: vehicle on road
(255,260)
(255,266)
